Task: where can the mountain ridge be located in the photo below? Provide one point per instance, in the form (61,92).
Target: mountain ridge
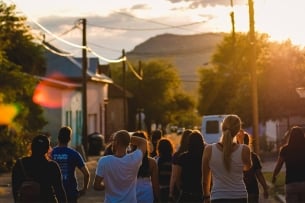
(187,52)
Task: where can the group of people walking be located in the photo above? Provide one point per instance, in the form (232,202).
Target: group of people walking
(142,168)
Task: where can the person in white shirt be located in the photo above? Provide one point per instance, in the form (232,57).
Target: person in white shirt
(224,162)
(117,173)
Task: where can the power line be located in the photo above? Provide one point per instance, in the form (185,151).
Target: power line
(72,44)
(104,47)
(153,21)
(64,33)
(146,29)
(55,52)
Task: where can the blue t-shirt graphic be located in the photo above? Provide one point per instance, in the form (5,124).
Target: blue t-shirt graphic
(68,159)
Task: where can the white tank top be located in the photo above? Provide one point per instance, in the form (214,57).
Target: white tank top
(227,185)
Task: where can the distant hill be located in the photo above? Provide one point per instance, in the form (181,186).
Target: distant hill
(187,52)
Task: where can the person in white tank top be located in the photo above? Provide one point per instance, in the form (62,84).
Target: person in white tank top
(223,164)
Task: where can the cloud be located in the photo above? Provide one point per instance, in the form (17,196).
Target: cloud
(205,3)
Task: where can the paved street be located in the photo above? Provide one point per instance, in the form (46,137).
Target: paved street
(93,196)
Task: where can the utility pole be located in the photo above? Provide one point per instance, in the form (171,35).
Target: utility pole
(252,61)
(232,21)
(124,90)
(84,87)
(140,99)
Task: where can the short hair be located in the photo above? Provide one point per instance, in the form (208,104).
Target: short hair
(40,145)
(64,134)
(122,137)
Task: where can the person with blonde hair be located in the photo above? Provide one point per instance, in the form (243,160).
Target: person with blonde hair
(223,164)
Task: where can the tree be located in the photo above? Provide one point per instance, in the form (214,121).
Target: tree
(283,73)
(159,93)
(17,42)
(19,60)
(225,87)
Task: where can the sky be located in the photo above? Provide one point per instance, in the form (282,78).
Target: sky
(117,25)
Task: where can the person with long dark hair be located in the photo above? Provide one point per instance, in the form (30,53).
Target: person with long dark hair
(42,170)
(164,160)
(183,146)
(188,173)
(292,154)
(147,178)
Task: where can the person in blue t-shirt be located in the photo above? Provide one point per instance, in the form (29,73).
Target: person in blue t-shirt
(68,160)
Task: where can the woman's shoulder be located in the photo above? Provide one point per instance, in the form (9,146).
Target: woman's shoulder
(152,161)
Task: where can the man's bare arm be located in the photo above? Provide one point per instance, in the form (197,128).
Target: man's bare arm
(98,183)
(140,142)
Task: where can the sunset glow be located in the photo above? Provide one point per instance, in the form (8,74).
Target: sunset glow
(126,24)
(46,95)
(8,113)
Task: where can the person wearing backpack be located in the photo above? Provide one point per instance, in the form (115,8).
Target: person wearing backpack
(38,168)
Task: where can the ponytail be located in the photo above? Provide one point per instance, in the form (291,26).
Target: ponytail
(230,127)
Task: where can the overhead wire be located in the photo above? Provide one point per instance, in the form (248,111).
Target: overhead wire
(55,52)
(105,59)
(132,69)
(42,42)
(70,43)
(152,21)
(145,29)
(64,33)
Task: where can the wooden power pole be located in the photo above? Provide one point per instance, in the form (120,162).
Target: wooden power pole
(84,87)
(252,61)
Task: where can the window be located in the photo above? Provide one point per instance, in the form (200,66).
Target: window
(68,118)
(212,127)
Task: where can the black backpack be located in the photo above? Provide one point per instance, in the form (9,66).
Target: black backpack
(29,190)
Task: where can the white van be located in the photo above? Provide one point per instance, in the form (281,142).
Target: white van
(211,127)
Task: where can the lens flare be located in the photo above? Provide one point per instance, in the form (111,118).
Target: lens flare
(49,92)
(7,113)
